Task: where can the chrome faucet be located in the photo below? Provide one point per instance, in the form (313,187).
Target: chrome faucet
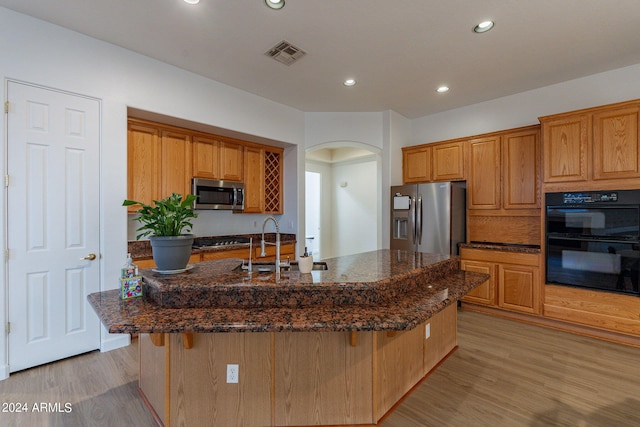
(263,243)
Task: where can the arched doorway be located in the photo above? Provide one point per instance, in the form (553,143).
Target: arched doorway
(342,199)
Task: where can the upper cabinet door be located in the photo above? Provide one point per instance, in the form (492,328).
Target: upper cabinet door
(484,173)
(253,180)
(176,164)
(206,157)
(143,164)
(521,170)
(615,143)
(448,161)
(416,164)
(566,142)
(231,160)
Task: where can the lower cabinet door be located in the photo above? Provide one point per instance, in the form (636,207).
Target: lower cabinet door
(517,288)
(484,294)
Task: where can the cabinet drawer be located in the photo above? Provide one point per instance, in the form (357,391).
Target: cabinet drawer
(500,256)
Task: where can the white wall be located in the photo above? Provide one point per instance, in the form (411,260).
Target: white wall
(326,205)
(369,131)
(355,202)
(349,216)
(524,108)
(366,128)
(37,52)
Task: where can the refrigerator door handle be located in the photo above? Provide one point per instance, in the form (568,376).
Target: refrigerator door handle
(415,215)
(419,219)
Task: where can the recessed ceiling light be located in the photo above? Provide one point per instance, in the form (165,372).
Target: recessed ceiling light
(442,89)
(274,4)
(349,82)
(192,1)
(483,27)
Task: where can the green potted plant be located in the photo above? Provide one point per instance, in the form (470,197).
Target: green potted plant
(164,223)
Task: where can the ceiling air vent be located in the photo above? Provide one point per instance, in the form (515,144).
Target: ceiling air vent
(285,53)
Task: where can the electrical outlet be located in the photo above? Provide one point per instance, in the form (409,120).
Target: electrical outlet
(427,331)
(232,374)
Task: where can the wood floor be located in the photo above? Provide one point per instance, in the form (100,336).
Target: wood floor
(504,373)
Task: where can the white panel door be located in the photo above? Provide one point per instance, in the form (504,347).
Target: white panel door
(53,224)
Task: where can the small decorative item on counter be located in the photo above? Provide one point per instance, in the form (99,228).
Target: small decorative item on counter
(129,269)
(130,282)
(131,287)
(305,263)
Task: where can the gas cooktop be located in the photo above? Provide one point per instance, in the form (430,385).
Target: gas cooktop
(214,242)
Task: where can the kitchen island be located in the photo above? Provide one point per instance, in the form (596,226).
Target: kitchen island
(339,346)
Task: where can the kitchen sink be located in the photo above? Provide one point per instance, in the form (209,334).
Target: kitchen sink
(270,267)
(317,266)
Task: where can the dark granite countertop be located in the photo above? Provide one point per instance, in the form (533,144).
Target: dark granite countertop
(379,290)
(141,249)
(507,247)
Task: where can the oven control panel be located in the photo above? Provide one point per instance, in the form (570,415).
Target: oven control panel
(590,197)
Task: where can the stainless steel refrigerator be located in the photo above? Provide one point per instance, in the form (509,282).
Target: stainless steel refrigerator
(428,217)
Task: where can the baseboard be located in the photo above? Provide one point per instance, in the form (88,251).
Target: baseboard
(114,341)
(4,372)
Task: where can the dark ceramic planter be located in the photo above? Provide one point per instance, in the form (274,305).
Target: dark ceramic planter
(171,252)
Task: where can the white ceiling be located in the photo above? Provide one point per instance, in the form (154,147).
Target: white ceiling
(399,51)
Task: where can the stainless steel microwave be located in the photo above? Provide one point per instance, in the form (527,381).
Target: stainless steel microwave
(214,194)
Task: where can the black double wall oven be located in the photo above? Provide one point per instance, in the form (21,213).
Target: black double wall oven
(593,240)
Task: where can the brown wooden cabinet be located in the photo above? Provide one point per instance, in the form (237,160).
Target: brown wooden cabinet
(448,161)
(263,180)
(273,181)
(566,140)
(289,378)
(143,164)
(593,144)
(287,251)
(515,283)
(159,163)
(149,263)
(484,173)
(175,169)
(216,158)
(442,161)
(253,180)
(602,310)
(519,287)
(486,293)
(504,170)
(231,161)
(521,169)
(416,164)
(616,154)
(206,157)
(162,159)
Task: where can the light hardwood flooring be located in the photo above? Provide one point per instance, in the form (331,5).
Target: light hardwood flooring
(504,373)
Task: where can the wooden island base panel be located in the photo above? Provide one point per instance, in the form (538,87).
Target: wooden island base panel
(338,347)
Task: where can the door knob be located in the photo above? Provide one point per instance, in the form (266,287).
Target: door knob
(89,257)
